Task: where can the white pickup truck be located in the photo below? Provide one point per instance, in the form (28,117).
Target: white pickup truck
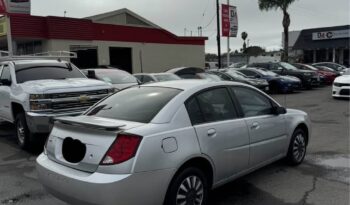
(33,92)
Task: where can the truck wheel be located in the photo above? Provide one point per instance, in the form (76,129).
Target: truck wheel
(22,132)
(188,187)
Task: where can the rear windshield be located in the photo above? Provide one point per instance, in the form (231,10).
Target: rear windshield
(46,73)
(116,77)
(166,77)
(137,104)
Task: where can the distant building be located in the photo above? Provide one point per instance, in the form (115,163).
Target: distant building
(120,38)
(321,44)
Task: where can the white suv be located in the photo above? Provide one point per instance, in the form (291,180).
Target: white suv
(33,92)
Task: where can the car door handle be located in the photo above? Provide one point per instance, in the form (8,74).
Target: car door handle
(255,126)
(211,133)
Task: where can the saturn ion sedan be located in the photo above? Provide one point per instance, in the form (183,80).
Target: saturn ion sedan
(169,143)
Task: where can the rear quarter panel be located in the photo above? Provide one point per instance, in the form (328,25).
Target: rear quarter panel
(151,155)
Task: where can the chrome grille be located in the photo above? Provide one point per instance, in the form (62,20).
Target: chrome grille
(78,94)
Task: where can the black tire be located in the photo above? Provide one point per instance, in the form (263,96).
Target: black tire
(23,134)
(297,148)
(174,189)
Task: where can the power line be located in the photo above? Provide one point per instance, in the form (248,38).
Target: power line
(211,21)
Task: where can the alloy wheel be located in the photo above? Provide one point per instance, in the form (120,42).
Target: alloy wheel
(299,147)
(20,132)
(190,192)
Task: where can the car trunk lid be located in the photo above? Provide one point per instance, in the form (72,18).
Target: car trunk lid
(82,142)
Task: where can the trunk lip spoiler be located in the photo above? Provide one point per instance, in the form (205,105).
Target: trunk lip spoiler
(108,125)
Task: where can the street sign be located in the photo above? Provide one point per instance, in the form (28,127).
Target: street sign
(229,20)
(15,6)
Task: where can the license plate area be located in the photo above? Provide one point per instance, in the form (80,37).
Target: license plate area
(73,150)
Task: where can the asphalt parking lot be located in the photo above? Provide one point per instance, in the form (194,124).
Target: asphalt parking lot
(323,179)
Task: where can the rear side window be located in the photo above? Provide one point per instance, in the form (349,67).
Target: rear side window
(211,106)
(252,102)
(137,104)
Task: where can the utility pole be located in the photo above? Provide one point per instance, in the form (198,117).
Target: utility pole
(228,40)
(218,32)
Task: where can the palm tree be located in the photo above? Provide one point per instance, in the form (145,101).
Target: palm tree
(244,36)
(283,5)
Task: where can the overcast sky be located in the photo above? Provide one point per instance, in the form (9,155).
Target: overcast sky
(264,28)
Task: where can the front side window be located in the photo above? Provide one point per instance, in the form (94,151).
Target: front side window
(55,72)
(136,104)
(211,106)
(252,102)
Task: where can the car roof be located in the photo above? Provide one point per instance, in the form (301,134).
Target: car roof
(35,61)
(106,70)
(190,84)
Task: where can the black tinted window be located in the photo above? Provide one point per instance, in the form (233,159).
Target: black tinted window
(47,72)
(252,102)
(194,111)
(216,105)
(5,74)
(147,79)
(137,104)
(248,73)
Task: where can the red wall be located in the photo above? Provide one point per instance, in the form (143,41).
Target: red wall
(81,29)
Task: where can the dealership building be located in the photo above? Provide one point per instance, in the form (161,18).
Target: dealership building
(120,38)
(321,44)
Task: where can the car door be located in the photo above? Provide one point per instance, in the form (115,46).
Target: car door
(267,131)
(5,102)
(222,135)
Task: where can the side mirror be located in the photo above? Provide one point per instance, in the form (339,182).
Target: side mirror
(91,74)
(279,110)
(257,76)
(5,82)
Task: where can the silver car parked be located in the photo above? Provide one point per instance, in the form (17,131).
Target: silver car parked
(169,143)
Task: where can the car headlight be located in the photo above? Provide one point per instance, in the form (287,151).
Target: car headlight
(36,96)
(112,90)
(337,84)
(38,106)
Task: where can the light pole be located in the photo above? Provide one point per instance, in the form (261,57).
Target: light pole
(218,32)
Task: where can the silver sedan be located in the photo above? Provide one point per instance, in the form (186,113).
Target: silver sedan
(169,143)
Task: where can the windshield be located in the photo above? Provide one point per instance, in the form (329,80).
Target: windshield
(334,66)
(136,104)
(47,73)
(116,77)
(268,73)
(209,76)
(288,66)
(237,74)
(166,77)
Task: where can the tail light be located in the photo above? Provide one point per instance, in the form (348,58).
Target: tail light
(123,149)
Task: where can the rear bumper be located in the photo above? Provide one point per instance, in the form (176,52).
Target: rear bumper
(43,123)
(77,187)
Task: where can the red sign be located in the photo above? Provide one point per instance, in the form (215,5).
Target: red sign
(225,20)
(2,7)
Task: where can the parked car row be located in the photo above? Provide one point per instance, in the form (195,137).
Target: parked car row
(117,132)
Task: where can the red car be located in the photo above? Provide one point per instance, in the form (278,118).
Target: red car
(326,76)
